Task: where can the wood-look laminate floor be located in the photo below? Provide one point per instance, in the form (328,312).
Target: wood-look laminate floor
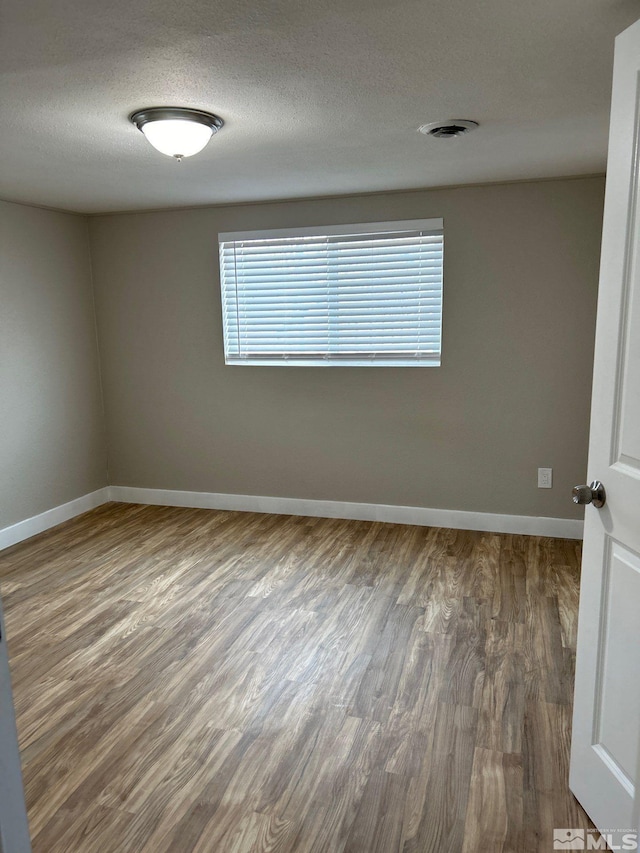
(190,680)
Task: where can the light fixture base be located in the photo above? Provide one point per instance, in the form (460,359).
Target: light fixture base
(141,117)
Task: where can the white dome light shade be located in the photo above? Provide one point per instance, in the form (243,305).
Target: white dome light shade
(177,137)
(175,131)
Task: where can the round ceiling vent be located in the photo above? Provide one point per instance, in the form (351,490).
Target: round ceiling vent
(448,129)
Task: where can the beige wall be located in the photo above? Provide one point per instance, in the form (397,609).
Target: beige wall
(521,268)
(52,446)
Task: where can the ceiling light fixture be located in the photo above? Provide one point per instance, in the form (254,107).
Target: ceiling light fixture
(448,129)
(176,131)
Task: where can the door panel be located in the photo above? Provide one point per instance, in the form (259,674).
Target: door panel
(606,723)
(617,731)
(14,831)
(627,434)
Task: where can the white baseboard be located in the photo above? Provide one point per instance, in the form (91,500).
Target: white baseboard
(559,528)
(39,523)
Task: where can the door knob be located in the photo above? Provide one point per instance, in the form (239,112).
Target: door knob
(593,494)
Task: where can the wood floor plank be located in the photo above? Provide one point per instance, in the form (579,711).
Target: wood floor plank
(379,823)
(437,804)
(545,756)
(494,816)
(195,681)
(501,720)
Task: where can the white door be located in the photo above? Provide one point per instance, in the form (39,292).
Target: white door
(14,832)
(605,760)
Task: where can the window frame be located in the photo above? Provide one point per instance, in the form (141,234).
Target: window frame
(433,225)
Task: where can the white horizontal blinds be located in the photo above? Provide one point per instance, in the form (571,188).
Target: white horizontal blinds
(370,296)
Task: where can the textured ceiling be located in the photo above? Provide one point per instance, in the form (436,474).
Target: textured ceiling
(319,98)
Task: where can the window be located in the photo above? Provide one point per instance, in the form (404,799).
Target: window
(362,295)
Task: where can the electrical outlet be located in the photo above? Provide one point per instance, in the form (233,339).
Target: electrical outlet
(545,478)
